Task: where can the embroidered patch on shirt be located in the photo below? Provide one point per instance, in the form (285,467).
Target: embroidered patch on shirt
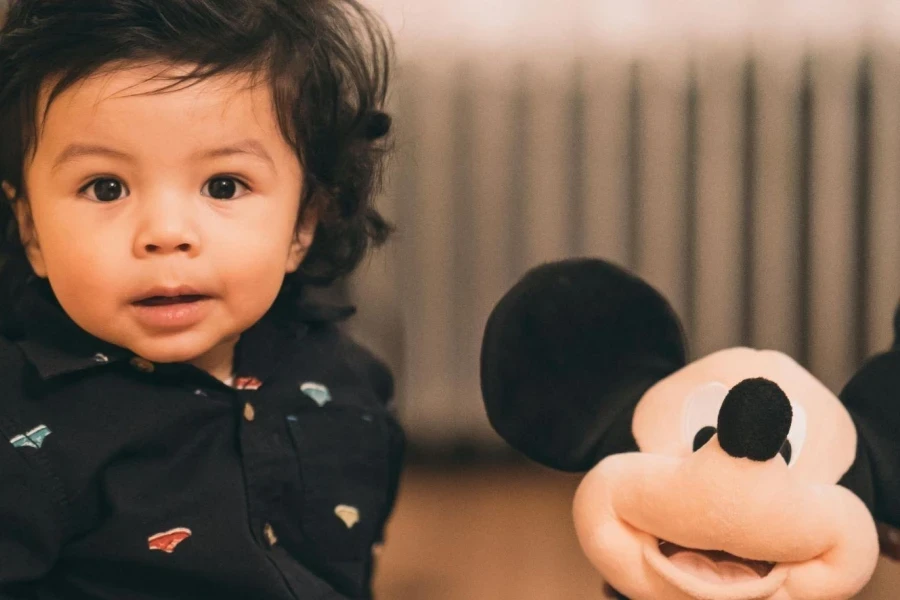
(167,541)
(247,383)
(318,392)
(32,439)
(348,514)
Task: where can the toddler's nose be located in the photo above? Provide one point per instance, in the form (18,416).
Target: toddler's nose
(166,228)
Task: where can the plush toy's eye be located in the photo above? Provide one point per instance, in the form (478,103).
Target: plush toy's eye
(703,436)
(786,451)
(701,414)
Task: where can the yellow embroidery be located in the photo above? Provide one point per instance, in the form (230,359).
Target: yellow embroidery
(348,514)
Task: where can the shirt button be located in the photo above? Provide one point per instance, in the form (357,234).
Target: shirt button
(269,533)
(101,358)
(249,412)
(199,392)
(142,364)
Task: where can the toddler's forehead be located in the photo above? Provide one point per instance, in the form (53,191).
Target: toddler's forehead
(156,84)
(152,111)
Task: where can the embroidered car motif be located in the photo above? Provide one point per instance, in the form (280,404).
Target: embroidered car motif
(32,439)
(318,392)
(247,383)
(348,514)
(167,541)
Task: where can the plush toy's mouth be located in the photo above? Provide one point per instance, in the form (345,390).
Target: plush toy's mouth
(716,566)
(715,573)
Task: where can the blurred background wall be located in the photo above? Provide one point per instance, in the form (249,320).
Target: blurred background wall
(740,155)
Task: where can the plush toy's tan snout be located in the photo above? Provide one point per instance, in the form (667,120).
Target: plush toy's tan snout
(728,516)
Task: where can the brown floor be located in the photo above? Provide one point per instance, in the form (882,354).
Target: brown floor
(500,533)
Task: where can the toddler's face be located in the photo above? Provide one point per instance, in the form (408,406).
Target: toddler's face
(165,222)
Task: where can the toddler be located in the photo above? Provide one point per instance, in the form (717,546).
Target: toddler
(177,418)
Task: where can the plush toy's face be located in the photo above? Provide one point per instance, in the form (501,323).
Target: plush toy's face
(709,480)
(691,517)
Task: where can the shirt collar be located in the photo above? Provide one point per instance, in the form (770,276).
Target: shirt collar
(56,345)
(52,341)
(262,347)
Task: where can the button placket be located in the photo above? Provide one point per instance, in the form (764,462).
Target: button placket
(142,364)
(269,534)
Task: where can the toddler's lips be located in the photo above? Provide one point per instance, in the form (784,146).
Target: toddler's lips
(169,300)
(176,312)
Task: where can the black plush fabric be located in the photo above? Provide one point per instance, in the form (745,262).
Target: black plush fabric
(754,420)
(568,352)
(873,399)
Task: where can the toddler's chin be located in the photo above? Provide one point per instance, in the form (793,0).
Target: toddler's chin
(190,349)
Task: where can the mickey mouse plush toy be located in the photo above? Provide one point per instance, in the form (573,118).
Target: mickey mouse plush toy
(738,476)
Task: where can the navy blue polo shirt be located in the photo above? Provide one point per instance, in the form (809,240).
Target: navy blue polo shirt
(123,479)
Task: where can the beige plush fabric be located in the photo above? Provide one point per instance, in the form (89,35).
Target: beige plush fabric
(670,522)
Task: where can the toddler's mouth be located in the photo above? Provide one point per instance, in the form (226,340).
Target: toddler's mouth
(169,300)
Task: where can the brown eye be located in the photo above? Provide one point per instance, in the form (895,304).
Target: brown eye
(223,188)
(106,189)
(703,436)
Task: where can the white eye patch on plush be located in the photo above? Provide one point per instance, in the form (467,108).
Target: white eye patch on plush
(701,416)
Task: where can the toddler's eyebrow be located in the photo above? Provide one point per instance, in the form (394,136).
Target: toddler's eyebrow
(250,146)
(75,151)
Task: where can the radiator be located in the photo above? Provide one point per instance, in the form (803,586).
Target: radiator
(742,157)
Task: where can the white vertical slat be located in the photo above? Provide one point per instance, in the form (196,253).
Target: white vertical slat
(884,221)
(426,291)
(606,123)
(547,204)
(833,215)
(610,50)
(662,226)
(719,210)
(776,243)
(494,85)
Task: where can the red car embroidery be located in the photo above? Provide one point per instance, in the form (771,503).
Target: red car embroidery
(167,541)
(247,383)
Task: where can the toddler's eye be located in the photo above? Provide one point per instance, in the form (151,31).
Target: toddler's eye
(105,189)
(223,188)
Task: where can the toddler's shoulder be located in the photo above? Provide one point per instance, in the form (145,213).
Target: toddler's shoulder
(357,361)
(12,362)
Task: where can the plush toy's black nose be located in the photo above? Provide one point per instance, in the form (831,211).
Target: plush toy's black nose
(754,420)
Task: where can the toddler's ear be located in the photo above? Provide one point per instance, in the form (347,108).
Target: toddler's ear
(567,354)
(303,238)
(8,190)
(27,233)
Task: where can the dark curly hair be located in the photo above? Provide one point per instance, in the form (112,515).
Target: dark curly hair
(326,63)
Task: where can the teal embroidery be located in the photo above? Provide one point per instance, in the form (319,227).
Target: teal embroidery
(32,439)
(318,392)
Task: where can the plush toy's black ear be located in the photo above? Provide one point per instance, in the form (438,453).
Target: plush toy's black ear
(567,353)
